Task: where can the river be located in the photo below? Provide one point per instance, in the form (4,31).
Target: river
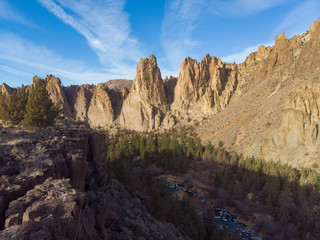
(223,218)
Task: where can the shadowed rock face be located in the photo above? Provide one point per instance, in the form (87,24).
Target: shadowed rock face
(56,185)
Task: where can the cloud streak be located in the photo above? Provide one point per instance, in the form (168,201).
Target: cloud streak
(11,14)
(299,19)
(177,27)
(242,55)
(180,20)
(24,59)
(240,8)
(106,27)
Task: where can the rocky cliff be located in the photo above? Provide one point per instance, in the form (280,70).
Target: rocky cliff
(273,113)
(208,85)
(100,111)
(57,95)
(144,106)
(5,90)
(55,185)
(252,107)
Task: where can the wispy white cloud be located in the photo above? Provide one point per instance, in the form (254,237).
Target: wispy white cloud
(300,18)
(14,71)
(180,21)
(177,27)
(9,13)
(239,8)
(242,55)
(25,59)
(106,27)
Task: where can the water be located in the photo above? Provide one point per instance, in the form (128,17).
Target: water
(223,218)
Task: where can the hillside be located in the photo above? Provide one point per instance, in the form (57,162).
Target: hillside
(265,107)
(55,184)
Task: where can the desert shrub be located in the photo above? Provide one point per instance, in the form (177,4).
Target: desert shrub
(315,165)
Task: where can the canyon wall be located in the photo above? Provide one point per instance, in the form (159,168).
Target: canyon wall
(258,107)
(55,184)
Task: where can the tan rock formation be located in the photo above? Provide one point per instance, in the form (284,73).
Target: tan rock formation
(248,106)
(57,95)
(142,108)
(296,141)
(5,90)
(210,82)
(273,112)
(82,102)
(100,112)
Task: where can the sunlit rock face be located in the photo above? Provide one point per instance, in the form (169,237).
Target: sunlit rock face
(144,106)
(209,84)
(265,106)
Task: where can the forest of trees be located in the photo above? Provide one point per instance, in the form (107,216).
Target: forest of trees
(127,151)
(290,195)
(33,110)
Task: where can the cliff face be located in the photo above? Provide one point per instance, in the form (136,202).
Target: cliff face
(247,104)
(143,107)
(5,90)
(273,112)
(100,112)
(55,185)
(57,95)
(210,83)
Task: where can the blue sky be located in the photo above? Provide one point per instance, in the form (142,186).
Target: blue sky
(92,41)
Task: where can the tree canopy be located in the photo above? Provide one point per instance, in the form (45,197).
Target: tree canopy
(40,110)
(13,108)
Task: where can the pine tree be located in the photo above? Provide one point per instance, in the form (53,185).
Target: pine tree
(40,110)
(209,223)
(14,107)
(191,147)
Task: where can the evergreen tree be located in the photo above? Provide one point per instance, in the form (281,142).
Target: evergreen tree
(208,151)
(191,147)
(14,108)
(209,223)
(40,110)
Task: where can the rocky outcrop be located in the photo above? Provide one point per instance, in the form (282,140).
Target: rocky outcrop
(100,112)
(56,185)
(5,90)
(273,111)
(80,98)
(52,210)
(296,141)
(246,104)
(143,107)
(57,95)
(209,83)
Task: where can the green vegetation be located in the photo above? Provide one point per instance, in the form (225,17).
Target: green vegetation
(131,156)
(35,110)
(166,151)
(14,109)
(289,195)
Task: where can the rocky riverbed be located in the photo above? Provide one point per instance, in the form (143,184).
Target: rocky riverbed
(223,218)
